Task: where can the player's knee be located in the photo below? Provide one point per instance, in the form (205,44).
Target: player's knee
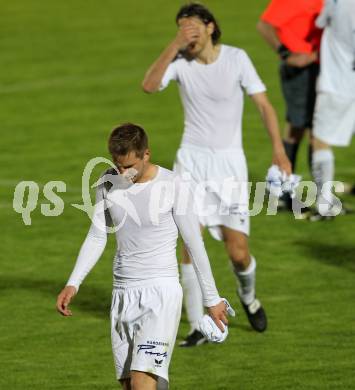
(318,144)
(238,254)
(136,383)
(136,380)
(241,259)
(142,381)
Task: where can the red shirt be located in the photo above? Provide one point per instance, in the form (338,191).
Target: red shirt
(294,21)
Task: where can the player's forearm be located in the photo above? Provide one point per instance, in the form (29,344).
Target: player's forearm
(204,274)
(202,267)
(189,229)
(268,32)
(269,118)
(89,254)
(155,73)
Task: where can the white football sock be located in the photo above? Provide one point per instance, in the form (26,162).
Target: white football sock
(246,279)
(192,295)
(323,172)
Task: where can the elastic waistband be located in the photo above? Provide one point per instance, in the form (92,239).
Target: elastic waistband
(205,149)
(119,285)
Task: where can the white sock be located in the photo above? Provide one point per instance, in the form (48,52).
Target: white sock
(246,279)
(192,295)
(323,173)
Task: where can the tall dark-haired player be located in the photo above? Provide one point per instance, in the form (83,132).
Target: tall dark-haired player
(212,79)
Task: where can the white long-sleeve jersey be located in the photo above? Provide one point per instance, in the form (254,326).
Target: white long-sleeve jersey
(147,217)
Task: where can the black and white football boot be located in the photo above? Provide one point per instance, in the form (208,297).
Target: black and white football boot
(193,339)
(316,216)
(256,315)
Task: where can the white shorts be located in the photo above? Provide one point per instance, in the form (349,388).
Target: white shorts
(222,180)
(334,119)
(144,324)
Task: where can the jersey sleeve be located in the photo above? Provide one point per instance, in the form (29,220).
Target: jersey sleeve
(189,228)
(169,75)
(352,17)
(94,243)
(280,12)
(323,18)
(249,78)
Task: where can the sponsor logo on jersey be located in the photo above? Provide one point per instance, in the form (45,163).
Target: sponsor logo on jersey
(158,363)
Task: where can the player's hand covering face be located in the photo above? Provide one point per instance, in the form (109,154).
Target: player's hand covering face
(130,166)
(193,35)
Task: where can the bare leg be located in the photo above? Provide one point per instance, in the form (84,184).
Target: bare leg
(237,247)
(244,265)
(143,381)
(318,144)
(185,259)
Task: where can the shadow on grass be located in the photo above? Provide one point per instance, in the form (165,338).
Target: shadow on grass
(93,300)
(245,328)
(336,255)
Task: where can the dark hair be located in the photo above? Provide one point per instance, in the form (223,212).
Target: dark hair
(127,138)
(201,12)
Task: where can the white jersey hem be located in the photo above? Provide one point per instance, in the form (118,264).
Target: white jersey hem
(159,281)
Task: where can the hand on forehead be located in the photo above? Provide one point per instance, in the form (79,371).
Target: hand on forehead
(190,21)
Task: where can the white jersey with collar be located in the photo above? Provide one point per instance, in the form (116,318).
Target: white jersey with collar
(212,96)
(337,54)
(147,217)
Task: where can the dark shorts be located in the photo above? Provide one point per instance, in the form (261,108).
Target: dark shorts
(299,90)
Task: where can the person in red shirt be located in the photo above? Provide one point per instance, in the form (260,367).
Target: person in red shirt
(289,28)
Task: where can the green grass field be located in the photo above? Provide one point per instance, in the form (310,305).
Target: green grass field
(69,72)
